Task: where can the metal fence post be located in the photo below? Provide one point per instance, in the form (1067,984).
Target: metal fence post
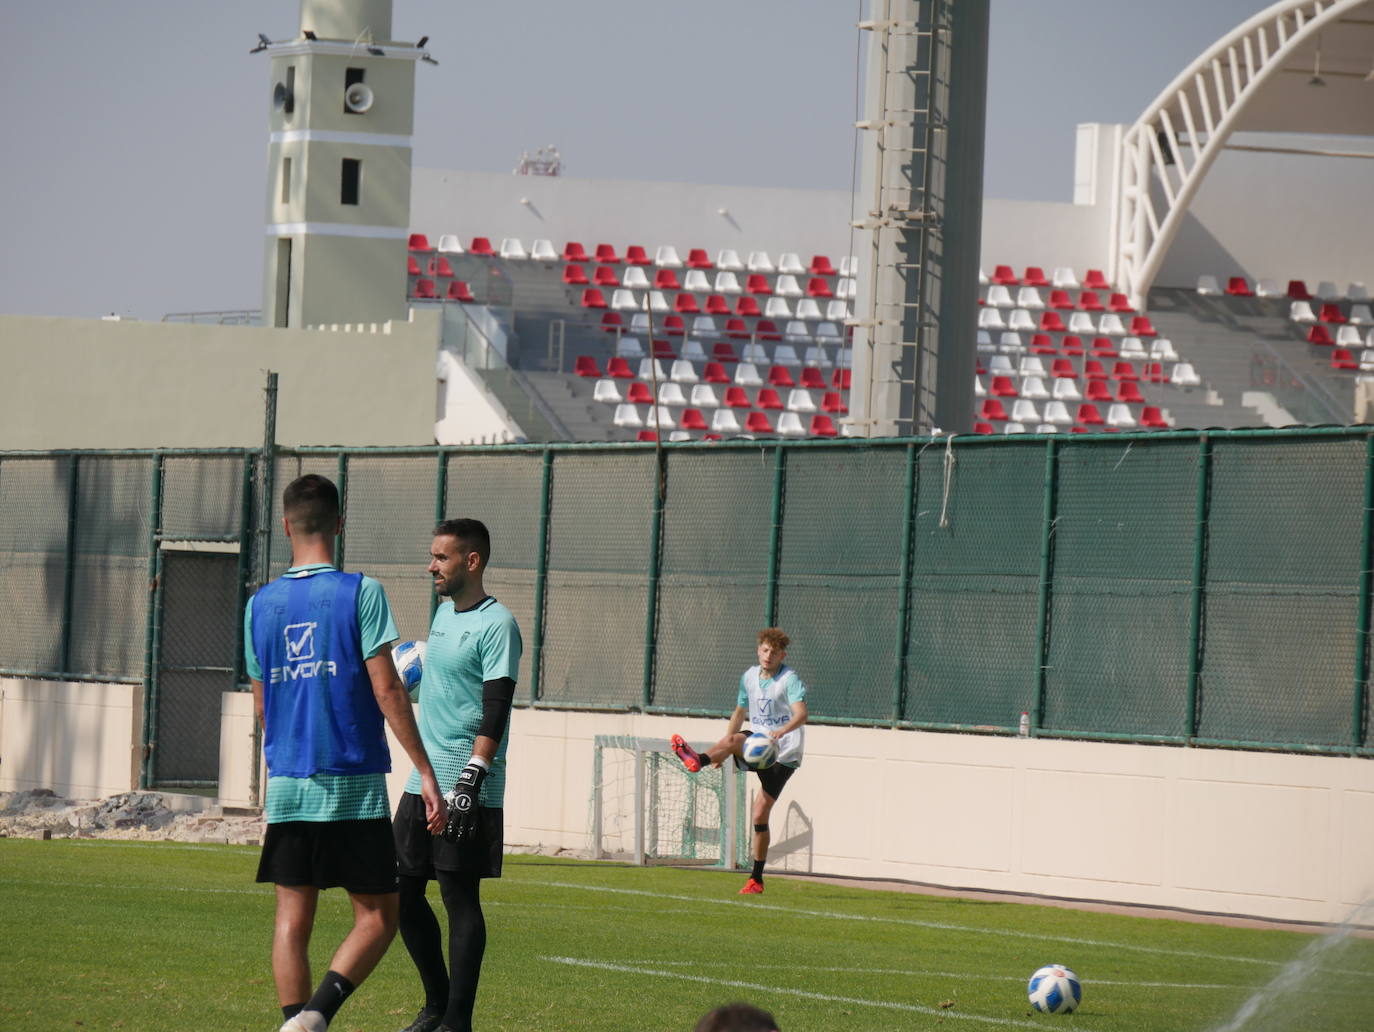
(1357,728)
(775,536)
(341,482)
(1045,594)
(904,587)
(152,635)
(64,658)
(440,509)
(245,572)
(1204,484)
(541,576)
(651,599)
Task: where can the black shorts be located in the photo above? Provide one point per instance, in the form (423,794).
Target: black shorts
(771,779)
(418,852)
(359,856)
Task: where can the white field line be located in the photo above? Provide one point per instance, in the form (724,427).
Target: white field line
(913,1008)
(915,923)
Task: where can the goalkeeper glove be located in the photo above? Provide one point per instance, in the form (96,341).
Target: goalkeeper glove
(461,825)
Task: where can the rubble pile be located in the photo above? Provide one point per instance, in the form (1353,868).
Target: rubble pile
(41,813)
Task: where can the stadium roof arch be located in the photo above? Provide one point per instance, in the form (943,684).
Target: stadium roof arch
(1299,66)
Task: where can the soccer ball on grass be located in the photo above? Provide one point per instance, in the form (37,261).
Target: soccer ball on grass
(760,751)
(409,657)
(1054,989)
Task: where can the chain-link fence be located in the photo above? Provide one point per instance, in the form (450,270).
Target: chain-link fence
(1183,587)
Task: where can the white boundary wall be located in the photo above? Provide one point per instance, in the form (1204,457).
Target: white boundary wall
(1278,836)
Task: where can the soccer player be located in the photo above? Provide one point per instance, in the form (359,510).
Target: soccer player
(773,698)
(471,664)
(317,643)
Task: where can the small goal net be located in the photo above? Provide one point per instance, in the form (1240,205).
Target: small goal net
(648,809)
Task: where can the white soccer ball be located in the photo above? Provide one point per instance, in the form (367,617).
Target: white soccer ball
(760,751)
(409,657)
(1054,989)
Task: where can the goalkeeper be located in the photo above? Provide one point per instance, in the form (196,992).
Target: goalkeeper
(773,698)
(468,684)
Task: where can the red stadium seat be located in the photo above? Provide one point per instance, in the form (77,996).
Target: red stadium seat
(820,266)
(636,255)
(1154,372)
(746,306)
(638,393)
(647,435)
(778,376)
(1297,290)
(1003,276)
(1051,322)
(1093,370)
(458,291)
(1341,358)
(574,252)
(481,246)
(1150,416)
(716,305)
(673,325)
(585,365)
(822,426)
(1129,392)
(1094,280)
(612,322)
(1063,369)
(412,266)
(418,242)
(1238,286)
(686,304)
(425,288)
(1319,334)
(736,398)
(757,283)
(768,399)
(439,266)
(818,287)
(1090,302)
(833,402)
(724,351)
(736,330)
(981,427)
(1142,327)
(841,379)
(692,419)
(1088,415)
(1331,313)
(666,279)
(1042,344)
(605,276)
(992,410)
(664,349)
(1102,347)
(1097,390)
(758,423)
(1034,277)
(812,379)
(593,298)
(1060,299)
(715,373)
(575,276)
(697,258)
(1120,303)
(1071,345)
(619,369)
(605,254)
(1002,387)
(767,329)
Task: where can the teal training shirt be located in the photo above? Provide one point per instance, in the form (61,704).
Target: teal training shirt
(330,797)
(464,649)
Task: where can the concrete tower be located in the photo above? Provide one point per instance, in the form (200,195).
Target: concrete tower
(338,173)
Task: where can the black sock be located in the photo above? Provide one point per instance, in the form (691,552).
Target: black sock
(291,1010)
(758,871)
(329,997)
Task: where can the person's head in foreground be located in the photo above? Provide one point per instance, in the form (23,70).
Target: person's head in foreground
(737,1017)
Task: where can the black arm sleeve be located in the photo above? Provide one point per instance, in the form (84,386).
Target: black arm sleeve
(497,696)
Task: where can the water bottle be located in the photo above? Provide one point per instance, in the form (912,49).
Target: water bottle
(1023,728)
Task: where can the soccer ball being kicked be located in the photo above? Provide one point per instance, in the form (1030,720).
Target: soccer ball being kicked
(760,751)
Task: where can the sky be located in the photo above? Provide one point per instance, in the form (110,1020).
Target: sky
(133,179)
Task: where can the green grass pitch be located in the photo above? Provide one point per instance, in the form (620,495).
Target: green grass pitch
(161,936)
